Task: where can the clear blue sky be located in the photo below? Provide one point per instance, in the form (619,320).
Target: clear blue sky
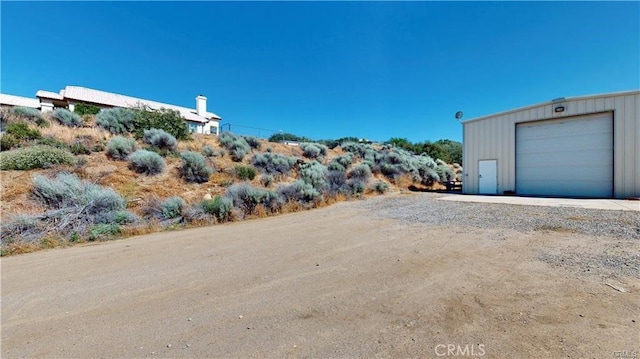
(327,69)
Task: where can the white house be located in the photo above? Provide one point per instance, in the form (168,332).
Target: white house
(198,119)
(577,147)
(12,100)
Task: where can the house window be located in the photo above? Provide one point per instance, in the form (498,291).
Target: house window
(193,127)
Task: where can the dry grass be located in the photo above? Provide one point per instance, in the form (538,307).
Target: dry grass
(72,134)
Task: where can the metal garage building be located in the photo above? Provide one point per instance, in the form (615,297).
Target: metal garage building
(577,147)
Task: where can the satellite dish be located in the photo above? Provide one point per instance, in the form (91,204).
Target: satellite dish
(458,115)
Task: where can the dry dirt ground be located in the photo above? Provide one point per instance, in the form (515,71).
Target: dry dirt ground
(331,282)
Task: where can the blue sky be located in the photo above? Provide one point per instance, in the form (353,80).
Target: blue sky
(325,70)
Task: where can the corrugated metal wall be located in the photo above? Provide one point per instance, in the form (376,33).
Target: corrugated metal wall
(493,137)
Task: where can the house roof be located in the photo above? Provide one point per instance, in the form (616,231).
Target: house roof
(48,95)
(12,100)
(116,100)
(562,99)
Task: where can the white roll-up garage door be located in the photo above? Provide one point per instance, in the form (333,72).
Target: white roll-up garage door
(570,157)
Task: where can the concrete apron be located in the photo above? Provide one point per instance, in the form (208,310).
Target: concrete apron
(611,204)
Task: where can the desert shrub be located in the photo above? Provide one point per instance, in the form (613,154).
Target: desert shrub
(345,160)
(429,175)
(313,150)
(120,147)
(21,131)
(380,187)
(27,113)
(357,186)
(74,208)
(361,172)
(209,151)
(38,156)
(117,120)
(237,145)
(246,197)
(273,163)
(298,191)
(219,207)
(52,141)
(66,117)
(8,141)
(172,207)
(171,121)
(315,174)
(358,149)
(253,142)
(67,190)
(440,162)
(103,231)
(245,173)
(78,148)
(83,109)
(194,167)
(337,183)
(266,180)
(124,217)
(336,166)
(445,173)
(147,162)
(160,139)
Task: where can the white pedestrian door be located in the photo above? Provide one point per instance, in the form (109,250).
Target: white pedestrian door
(488,177)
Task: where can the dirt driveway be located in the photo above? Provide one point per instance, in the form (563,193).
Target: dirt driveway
(332,282)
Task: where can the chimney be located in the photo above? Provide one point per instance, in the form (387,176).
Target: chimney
(201,106)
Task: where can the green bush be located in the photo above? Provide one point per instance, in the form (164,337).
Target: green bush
(219,207)
(147,162)
(8,141)
(22,132)
(245,173)
(194,167)
(237,145)
(78,148)
(172,207)
(86,109)
(117,120)
(38,156)
(120,147)
(103,231)
(160,139)
(67,118)
(164,119)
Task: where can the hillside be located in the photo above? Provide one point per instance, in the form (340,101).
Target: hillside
(76,183)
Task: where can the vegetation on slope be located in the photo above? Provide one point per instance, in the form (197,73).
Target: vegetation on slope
(115,175)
